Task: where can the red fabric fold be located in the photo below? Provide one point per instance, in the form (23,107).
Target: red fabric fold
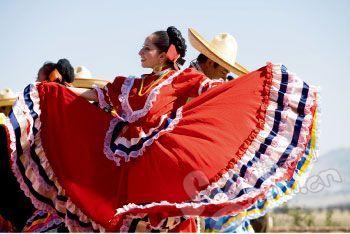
(207,139)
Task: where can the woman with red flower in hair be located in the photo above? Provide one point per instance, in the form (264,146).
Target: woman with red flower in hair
(148,157)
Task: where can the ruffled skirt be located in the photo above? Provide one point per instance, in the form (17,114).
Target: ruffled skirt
(239,149)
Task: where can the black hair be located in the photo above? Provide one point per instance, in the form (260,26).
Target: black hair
(66,70)
(63,66)
(46,69)
(202,59)
(163,40)
(230,77)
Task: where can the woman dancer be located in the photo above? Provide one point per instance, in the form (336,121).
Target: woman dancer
(238,149)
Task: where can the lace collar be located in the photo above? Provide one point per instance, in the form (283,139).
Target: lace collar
(128,113)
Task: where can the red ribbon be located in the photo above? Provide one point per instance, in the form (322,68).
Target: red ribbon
(173,55)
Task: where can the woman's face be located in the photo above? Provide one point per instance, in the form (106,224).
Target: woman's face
(151,57)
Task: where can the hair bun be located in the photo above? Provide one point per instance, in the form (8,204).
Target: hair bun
(66,70)
(175,38)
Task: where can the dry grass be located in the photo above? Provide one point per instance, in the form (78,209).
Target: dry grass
(303,220)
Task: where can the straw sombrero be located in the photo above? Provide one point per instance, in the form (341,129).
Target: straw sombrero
(222,50)
(83,78)
(7,97)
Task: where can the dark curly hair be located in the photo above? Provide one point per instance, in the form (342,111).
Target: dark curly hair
(163,40)
(63,66)
(66,70)
(46,69)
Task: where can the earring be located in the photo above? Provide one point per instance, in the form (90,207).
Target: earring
(158,68)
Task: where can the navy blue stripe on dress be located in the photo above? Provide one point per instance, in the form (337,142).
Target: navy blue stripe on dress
(30,104)
(277,120)
(298,124)
(19,164)
(305,92)
(294,142)
(268,140)
(303,159)
(142,140)
(120,125)
(295,138)
(288,184)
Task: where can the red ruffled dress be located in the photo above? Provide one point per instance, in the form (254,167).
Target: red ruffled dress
(239,148)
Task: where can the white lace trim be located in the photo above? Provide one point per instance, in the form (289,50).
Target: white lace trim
(25,120)
(130,115)
(128,143)
(268,184)
(202,85)
(101,97)
(218,200)
(118,154)
(279,144)
(210,82)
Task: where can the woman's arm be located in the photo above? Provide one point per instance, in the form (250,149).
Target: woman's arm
(88,94)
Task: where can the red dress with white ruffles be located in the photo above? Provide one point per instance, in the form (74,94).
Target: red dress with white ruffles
(238,149)
(142,119)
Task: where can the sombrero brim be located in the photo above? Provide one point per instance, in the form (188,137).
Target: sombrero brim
(88,83)
(7,101)
(200,44)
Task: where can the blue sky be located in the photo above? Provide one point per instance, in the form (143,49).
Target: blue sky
(310,37)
